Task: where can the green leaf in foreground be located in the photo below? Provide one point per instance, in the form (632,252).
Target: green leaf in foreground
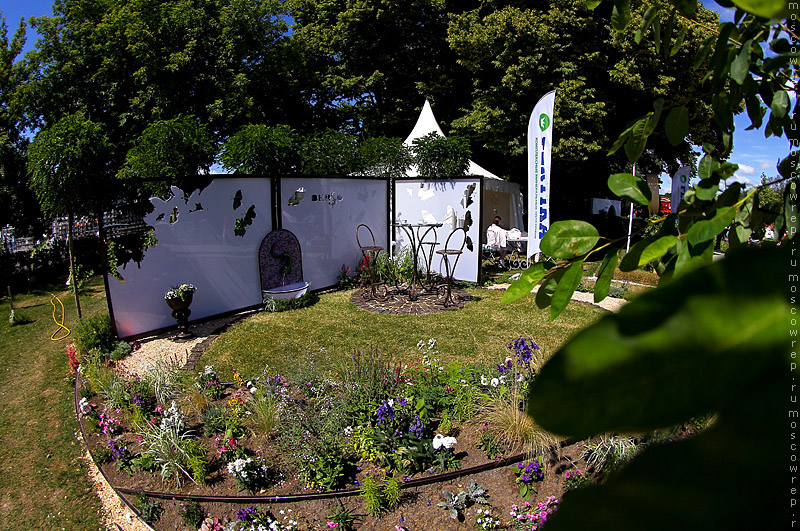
(677,125)
(621,14)
(707,467)
(525,283)
(707,229)
(764,8)
(605,274)
(569,239)
(676,352)
(566,287)
(647,250)
(647,19)
(628,186)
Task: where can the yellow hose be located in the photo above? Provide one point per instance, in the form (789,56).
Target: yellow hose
(61,324)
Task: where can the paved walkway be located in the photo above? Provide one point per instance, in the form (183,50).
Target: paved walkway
(609,303)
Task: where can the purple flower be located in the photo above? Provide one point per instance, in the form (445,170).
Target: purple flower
(417,428)
(402,402)
(118,452)
(243,515)
(526,478)
(385,413)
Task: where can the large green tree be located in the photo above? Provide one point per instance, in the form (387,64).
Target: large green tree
(378,60)
(131,64)
(22,210)
(518,51)
(70,172)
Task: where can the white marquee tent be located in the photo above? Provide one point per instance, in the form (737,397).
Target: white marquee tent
(500,197)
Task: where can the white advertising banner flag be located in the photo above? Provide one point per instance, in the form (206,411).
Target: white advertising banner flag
(680,183)
(540,141)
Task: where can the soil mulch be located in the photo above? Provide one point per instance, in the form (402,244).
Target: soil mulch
(400,304)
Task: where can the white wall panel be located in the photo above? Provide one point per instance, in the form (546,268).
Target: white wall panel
(419,200)
(200,248)
(325,221)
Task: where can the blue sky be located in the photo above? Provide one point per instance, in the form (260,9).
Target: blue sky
(752,152)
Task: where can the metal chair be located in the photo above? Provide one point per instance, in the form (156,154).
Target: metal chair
(450,252)
(370,254)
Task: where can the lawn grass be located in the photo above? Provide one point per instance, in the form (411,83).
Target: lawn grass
(480,332)
(43,481)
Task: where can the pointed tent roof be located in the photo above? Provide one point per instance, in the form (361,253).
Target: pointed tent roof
(427,124)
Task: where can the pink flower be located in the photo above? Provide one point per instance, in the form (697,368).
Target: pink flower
(332,524)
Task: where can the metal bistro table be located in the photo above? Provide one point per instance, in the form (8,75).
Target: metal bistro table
(416,234)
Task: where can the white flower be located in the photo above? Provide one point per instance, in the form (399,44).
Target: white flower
(253,390)
(440,441)
(348,430)
(495,382)
(484,380)
(503,379)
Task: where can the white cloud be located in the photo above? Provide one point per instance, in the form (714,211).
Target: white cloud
(738,177)
(747,169)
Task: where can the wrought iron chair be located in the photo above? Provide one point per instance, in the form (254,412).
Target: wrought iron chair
(370,254)
(451,252)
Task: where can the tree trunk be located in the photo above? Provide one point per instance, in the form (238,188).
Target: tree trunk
(73,281)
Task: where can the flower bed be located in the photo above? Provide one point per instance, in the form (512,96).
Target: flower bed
(370,426)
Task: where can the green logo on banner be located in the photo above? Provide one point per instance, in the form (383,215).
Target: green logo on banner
(544,122)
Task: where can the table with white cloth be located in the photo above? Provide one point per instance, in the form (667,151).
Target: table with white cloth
(517,250)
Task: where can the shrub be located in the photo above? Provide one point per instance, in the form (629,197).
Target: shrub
(610,452)
(380,495)
(265,412)
(95,332)
(505,418)
(492,444)
(165,378)
(366,379)
(214,419)
(192,515)
(164,445)
(120,350)
(72,358)
(208,382)
(151,510)
(196,460)
(251,474)
(283,305)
